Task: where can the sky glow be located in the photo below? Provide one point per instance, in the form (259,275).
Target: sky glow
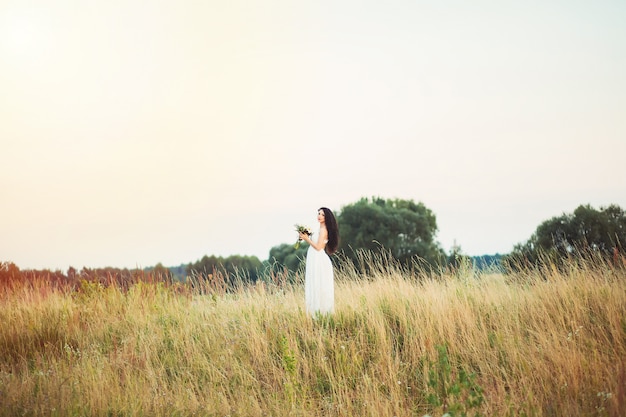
(138,132)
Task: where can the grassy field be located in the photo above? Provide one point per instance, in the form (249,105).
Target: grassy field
(540,342)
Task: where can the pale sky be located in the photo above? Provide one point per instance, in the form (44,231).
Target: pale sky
(138,132)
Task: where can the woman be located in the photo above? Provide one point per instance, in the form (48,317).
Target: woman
(319,291)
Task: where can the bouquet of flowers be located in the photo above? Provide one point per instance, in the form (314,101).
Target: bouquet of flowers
(302,229)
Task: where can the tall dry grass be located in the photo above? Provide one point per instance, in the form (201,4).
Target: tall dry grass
(537,342)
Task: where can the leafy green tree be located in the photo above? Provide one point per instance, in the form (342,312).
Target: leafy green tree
(404,228)
(286,255)
(233,268)
(585,231)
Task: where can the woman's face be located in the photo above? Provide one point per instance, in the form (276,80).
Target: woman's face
(321,217)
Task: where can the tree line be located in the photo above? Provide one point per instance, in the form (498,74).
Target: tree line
(403,229)
(585,233)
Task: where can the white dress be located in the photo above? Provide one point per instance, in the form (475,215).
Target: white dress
(319,286)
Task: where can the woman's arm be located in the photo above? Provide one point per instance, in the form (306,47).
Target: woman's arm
(321,239)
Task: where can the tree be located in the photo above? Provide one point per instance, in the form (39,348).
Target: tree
(9,272)
(286,255)
(584,232)
(457,258)
(161,273)
(233,268)
(404,228)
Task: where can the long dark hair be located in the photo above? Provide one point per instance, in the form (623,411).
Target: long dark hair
(333,231)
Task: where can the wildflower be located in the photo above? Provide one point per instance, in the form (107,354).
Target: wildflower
(302,229)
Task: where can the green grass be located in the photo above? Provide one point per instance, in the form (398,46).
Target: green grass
(540,342)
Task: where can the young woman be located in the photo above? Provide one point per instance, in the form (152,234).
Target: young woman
(319,290)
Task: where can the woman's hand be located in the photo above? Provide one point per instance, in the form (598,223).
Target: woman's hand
(303,236)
